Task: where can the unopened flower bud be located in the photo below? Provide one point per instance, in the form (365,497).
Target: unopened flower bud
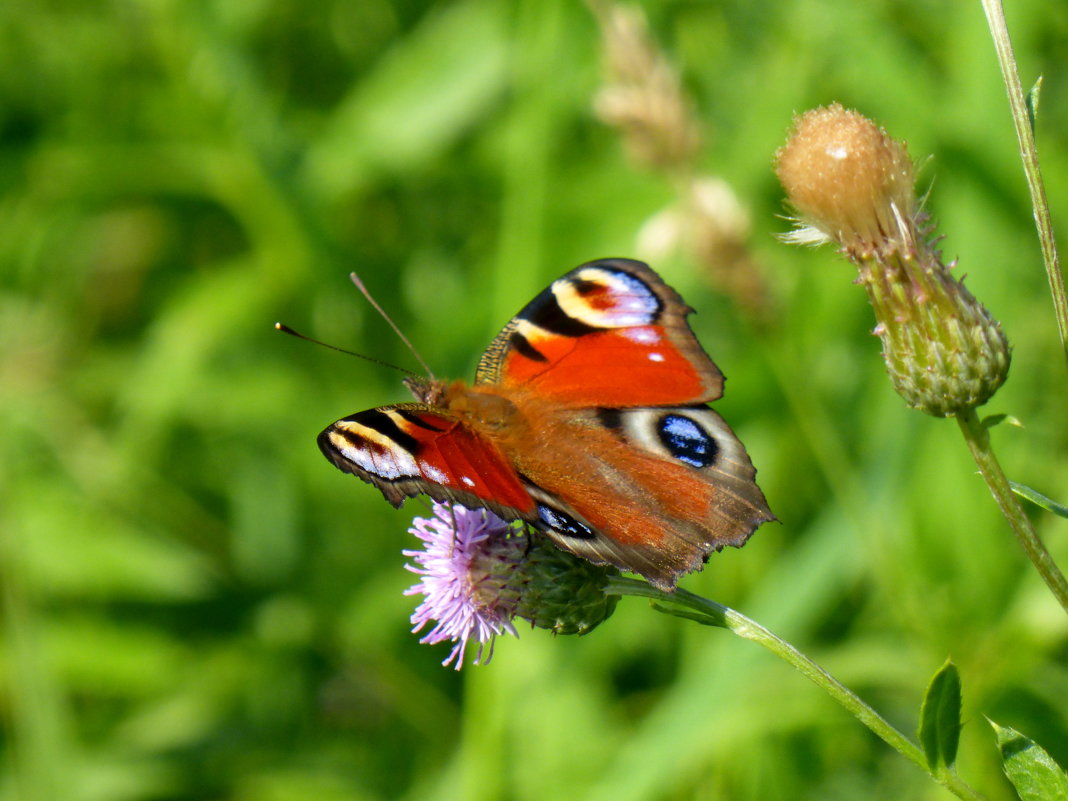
(562,592)
(853,185)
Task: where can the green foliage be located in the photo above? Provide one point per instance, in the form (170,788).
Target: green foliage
(1029,767)
(1033,98)
(197,606)
(940,718)
(1038,499)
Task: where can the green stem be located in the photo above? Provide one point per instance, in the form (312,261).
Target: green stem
(715,614)
(725,617)
(978,439)
(995,16)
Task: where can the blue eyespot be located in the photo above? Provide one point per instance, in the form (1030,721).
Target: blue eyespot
(686,440)
(563,523)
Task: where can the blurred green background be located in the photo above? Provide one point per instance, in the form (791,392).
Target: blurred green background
(197,606)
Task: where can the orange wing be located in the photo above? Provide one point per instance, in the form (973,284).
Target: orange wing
(610,333)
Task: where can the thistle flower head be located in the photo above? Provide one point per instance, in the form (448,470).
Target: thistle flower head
(464,566)
(853,185)
(479,573)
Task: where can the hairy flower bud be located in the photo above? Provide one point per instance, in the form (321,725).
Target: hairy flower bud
(853,185)
(562,592)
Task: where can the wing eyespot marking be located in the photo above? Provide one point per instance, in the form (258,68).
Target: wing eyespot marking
(375,449)
(686,440)
(563,524)
(612,419)
(585,287)
(692,436)
(546,313)
(601,298)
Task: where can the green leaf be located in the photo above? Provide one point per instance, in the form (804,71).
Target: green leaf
(685,614)
(1032,102)
(940,718)
(1039,499)
(992,420)
(1031,770)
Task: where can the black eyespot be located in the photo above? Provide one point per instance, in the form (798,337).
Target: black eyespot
(584,287)
(564,523)
(687,440)
(612,419)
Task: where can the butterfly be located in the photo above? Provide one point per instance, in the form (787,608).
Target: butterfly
(588,420)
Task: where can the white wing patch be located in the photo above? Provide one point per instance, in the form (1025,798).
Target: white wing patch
(379,454)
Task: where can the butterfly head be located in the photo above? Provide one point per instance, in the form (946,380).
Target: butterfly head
(426,390)
(481,407)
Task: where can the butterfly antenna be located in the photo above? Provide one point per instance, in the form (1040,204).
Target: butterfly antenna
(366,293)
(285,329)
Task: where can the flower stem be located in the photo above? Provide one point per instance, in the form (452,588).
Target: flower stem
(978,439)
(995,16)
(714,614)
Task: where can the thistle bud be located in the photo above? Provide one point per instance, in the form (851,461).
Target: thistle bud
(853,185)
(562,592)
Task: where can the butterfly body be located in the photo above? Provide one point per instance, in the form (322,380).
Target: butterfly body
(587,419)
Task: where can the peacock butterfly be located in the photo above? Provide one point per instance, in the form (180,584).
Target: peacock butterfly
(588,420)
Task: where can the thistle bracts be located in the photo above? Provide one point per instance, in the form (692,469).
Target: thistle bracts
(943,350)
(561,592)
(853,185)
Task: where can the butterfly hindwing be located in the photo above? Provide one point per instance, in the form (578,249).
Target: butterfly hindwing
(672,485)
(608,333)
(410,449)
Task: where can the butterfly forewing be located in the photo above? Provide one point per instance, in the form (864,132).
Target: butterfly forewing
(608,333)
(410,449)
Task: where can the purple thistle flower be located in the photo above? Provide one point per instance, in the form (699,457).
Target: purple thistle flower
(467,560)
